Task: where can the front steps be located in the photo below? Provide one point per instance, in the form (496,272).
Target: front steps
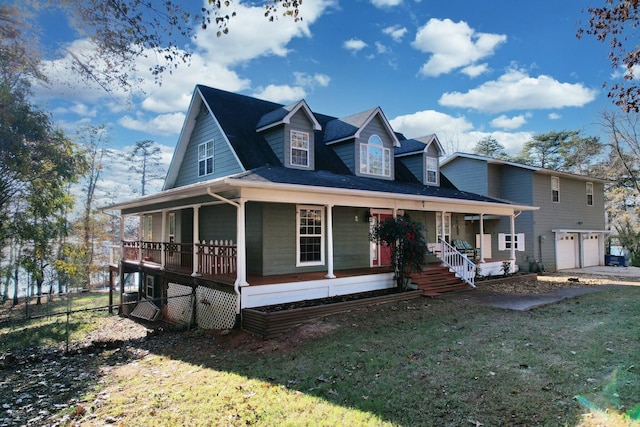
(435,280)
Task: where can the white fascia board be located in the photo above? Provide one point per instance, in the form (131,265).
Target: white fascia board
(297,192)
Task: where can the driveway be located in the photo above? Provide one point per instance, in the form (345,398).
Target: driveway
(617,277)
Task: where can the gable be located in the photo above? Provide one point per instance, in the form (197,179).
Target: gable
(205,130)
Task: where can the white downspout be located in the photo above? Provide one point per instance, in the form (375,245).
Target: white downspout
(513,240)
(241,274)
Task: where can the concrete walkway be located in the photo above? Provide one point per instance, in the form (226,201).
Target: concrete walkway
(524,302)
(624,275)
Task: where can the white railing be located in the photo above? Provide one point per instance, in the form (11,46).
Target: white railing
(458,263)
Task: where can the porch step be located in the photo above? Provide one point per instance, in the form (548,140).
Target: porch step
(436,280)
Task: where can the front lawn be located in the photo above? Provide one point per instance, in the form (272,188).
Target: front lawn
(417,363)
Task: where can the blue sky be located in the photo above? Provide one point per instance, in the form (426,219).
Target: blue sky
(463,70)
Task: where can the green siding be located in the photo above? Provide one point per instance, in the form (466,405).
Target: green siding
(346,152)
(224,161)
(255,241)
(351,239)
(218,223)
(275,139)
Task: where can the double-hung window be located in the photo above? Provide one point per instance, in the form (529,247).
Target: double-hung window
(310,236)
(589,193)
(505,243)
(555,189)
(375,158)
(205,158)
(299,148)
(431,170)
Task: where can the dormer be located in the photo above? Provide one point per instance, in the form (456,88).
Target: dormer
(365,143)
(289,131)
(421,157)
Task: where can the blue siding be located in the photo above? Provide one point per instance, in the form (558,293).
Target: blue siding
(415,164)
(225,163)
(467,175)
(346,152)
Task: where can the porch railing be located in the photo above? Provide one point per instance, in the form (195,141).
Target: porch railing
(214,258)
(217,258)
(462,266)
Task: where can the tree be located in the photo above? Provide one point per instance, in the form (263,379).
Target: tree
(145,159)
(617,22)
(93,141)
(408,245)
(623,168)
(565,151)
(490,147)
(125,30)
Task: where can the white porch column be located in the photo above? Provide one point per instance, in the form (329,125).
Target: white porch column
(163,238)
(330,274)
(513,238)
(122,236)
(241,248)
(442,228)
(196,239)
(141,234)
(481,237)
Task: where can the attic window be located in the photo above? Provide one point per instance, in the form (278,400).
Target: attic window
(205,158)
(590,193)
(299,148)
(431,171)
(375,159)
(555,189)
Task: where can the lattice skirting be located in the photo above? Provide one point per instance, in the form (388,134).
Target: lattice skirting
(214,309)
(178,303)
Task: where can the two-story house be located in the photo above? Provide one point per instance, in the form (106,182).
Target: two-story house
(568,231)
(266,203)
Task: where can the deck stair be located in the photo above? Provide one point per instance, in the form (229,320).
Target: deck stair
(434,280)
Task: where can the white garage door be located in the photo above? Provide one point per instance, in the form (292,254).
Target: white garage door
(567,251)
(591,250)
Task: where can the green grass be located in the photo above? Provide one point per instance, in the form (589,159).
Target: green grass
(50,327)
(417,363)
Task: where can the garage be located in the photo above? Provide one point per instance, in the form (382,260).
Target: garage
(567,251)
(591,250)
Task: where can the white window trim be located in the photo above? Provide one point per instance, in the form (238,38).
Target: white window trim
(447,226)
(205,158)
(148,228)
(298,235)
(365,164)
(504,242)
(589,190)
(427,169)
(555,186)
(307,149)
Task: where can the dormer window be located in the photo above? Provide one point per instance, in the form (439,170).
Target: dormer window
(205,158)
(431,170)
(299,148)
(375,159)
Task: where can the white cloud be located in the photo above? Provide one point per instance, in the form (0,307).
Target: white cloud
(385,3)
(311,80)
(427,122)
(396,32)
(281,93)
(453,45)
(516,90)
(381,49)
(163,124)
(354,45)
(554,116)
(475,70)
(504,122)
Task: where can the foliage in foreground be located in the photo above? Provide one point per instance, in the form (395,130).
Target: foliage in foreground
(422,362)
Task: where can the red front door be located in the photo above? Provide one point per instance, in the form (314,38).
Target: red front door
(380,253)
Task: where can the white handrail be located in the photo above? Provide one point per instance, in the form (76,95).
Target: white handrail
(462,266)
